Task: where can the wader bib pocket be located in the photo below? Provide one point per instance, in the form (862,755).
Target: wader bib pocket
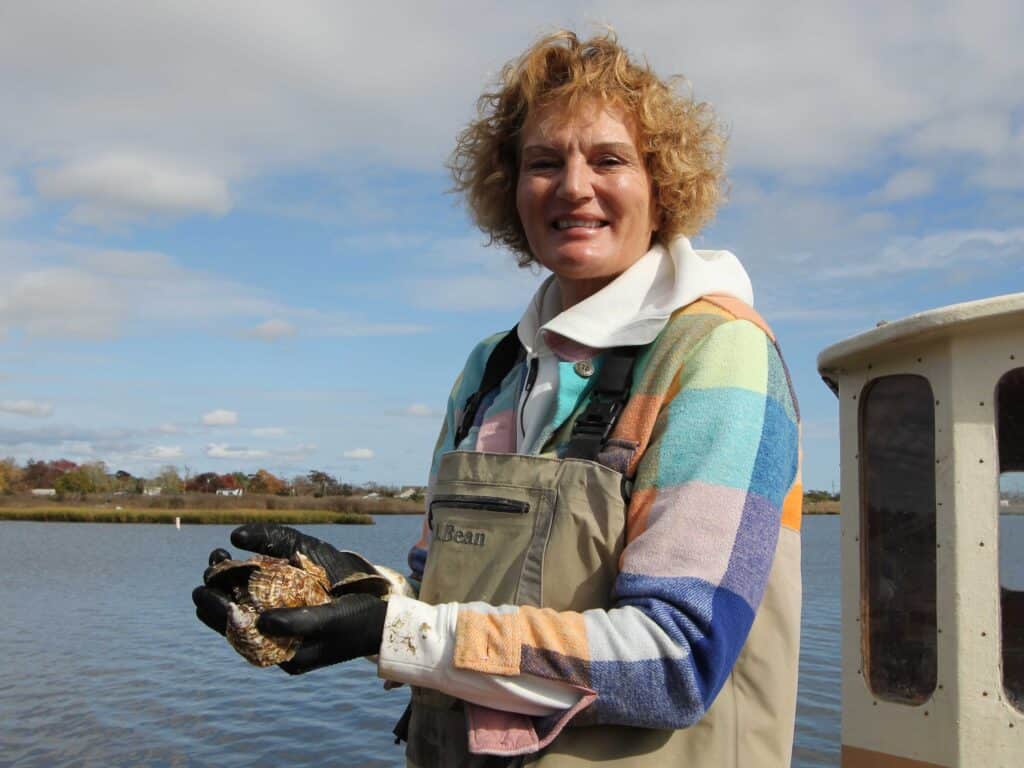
(481,545)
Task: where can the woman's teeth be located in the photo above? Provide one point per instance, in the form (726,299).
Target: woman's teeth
(588,224)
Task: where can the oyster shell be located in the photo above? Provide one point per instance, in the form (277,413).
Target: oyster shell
(259,584)
(376,580)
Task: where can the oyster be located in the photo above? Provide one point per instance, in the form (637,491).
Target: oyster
(373,579)
(259,584)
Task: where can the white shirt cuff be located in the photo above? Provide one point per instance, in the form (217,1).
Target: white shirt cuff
(418,646)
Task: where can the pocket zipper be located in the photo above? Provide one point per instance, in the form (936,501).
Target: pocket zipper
(489,503)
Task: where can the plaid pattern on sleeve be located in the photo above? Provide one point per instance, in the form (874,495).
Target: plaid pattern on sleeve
(715,425)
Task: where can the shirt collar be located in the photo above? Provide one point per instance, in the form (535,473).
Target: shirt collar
(635,306)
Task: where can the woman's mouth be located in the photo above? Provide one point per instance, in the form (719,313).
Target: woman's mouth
(567,223)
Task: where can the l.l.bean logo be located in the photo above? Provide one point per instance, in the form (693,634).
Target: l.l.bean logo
(458,535)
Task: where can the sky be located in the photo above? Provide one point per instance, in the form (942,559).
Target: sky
(227,241)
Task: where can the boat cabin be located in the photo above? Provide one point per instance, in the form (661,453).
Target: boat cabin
(931,422)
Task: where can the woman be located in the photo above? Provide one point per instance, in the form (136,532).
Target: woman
(613,527)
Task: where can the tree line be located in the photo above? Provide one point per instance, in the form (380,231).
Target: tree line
(69,478)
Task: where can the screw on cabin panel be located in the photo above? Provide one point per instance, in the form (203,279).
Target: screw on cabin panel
(926,713)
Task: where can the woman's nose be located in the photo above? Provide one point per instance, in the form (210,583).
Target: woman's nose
(575,183)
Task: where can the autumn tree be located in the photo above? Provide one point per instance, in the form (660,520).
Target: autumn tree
(205,482)
(266,482)
(44,474)
(88,478)
(169,480)
(301,486)
(10,476)
(324,483)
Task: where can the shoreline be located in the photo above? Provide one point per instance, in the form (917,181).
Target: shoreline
(186,516)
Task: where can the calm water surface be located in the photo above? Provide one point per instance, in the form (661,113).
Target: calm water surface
(102,661)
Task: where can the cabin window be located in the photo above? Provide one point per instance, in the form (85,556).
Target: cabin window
(1010,432)
(897,475)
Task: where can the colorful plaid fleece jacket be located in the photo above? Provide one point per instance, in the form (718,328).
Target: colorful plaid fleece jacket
(715,426)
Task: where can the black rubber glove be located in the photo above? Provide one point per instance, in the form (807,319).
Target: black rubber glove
(212,604)
(333,632)
(345,628)
(282,541)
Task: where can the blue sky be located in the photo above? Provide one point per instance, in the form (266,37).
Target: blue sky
(225,240)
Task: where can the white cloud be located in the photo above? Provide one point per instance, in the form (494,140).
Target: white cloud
(220,418)
(224,451)
(419,409)
(818,87)
(269,432)
(973,132)
(169,429)
(118,185)
(26,408)
(162,453)
(60,301)
(272,330)
(939,252)
(59,289)
(906,185)
(359,453)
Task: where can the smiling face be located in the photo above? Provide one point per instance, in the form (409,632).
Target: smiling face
(583,195)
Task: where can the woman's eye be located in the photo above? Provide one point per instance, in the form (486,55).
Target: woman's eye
(540,165)
(609,160)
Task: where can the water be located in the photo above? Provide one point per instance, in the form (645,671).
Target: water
(102,661)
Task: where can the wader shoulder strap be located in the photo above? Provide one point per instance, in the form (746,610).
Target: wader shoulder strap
(501,360)
(608,398)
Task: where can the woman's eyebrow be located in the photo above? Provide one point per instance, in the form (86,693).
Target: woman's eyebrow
(619,147)
(535,148)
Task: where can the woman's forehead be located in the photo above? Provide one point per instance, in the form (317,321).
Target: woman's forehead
(587,115)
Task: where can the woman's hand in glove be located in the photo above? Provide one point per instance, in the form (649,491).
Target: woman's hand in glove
(345,628)
(275,541)
(283,541)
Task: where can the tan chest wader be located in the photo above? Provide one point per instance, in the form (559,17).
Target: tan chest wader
(511,529)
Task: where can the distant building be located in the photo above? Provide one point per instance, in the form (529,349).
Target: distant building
(44,491)
(230,492)
(153,490)
(408,493)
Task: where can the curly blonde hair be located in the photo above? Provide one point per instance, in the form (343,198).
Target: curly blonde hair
(681,140)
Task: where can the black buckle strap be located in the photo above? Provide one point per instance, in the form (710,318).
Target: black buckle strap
(611,392)
(501,360)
